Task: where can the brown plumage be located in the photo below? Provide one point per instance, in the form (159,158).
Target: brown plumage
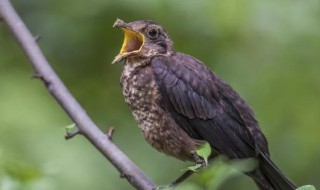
(179,104)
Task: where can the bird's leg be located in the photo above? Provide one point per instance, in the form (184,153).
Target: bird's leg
(198,159)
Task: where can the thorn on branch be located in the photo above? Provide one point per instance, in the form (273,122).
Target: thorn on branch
(110,132)
(124,175)
(70,135)
(37,38)
(37,76)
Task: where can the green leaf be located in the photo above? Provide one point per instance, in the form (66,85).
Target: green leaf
(22,171)
(307,187)
(204,151)
(70,127)
(195,167)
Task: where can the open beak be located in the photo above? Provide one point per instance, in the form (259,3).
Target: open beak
(132,44)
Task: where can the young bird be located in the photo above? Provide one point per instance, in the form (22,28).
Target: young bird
(179,104)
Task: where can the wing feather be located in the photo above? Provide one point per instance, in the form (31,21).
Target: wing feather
(203,105)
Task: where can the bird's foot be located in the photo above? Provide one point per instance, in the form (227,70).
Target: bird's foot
(202,154)
(200,163)
(199,160)
(200,157)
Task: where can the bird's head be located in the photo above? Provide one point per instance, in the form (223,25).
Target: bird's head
(142,39)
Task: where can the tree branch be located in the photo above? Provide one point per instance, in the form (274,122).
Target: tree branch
(58,90)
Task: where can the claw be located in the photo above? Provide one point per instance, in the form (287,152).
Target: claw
(199,160)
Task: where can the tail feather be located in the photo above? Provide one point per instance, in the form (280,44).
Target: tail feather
(269,177)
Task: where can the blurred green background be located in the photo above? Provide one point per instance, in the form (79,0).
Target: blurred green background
(269,51)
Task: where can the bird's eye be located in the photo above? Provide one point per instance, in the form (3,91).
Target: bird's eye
(153,33)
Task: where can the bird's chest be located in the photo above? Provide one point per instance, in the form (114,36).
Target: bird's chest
(159,129)
(139,90)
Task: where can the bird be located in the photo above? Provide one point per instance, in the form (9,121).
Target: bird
(180,104)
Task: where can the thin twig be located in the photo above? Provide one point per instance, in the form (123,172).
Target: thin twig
(58,90)
(182,178)
(70,135)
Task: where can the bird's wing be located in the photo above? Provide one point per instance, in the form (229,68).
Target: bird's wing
(204,106)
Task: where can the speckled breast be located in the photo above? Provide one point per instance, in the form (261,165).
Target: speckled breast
(139,91)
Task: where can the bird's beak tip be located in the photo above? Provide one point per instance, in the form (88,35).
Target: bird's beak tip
(114,61)
(119,23)
(117,59)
